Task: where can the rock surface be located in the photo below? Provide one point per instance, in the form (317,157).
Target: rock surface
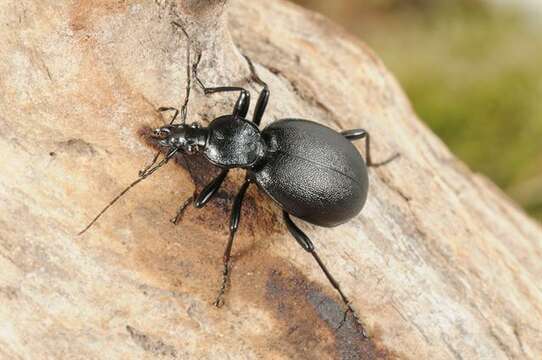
(440,264)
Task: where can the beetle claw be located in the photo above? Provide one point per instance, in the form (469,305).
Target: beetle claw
(356,321)
(219,302)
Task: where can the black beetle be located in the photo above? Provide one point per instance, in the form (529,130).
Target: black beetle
(309,170)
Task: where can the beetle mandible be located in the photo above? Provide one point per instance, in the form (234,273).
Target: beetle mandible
(309,170)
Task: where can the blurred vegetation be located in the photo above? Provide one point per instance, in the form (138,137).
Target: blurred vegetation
(473,73)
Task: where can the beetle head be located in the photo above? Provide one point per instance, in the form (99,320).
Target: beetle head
(187,138)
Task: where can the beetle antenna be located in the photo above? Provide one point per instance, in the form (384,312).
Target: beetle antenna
(188,73)
(184,107)
(142,177)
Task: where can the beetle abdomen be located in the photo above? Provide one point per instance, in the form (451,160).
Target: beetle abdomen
(312,172)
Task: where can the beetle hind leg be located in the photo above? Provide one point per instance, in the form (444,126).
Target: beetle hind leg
(307,244)
(357,134)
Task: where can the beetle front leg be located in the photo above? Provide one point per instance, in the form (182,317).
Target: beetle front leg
(169,108)
(261,104)
(263,98)
(210,189)
(201,199)
(243,101)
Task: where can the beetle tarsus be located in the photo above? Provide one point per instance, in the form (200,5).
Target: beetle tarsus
(182,209)
(253,72)
(358,134)
(345,317)
(234,225)
(356,320)
(219,301)
(385,162)
(162,109)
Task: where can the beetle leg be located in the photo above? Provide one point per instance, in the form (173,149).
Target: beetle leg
(175,114)
(243,101)
(210,189)
(182,209)
(354,134)
(234,225)
(357,134)
(255,75)
(307,244)
(264,94)
(260,106)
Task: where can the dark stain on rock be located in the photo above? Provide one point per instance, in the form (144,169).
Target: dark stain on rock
(154,346)
(303,307)
(84,12)
(75,146)
(9,292)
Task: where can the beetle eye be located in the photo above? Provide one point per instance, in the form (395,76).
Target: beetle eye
(161,133)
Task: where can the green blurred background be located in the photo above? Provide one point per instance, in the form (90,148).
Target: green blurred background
(473,71)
